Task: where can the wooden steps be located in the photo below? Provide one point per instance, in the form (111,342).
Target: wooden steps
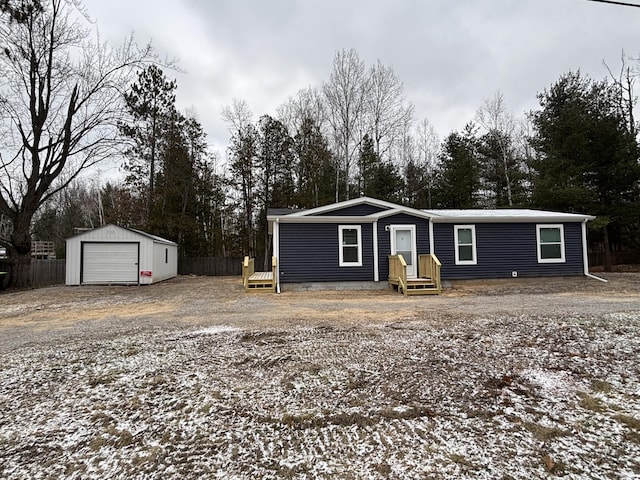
(427,284)
(417,286)
(422,286)
(258,281)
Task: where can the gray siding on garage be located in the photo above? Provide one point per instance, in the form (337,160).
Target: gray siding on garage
(355,210)
(384,238)
(506,247)
(309,253)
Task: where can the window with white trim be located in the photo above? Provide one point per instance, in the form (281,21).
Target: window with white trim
(550,243)
(350,241)
(465,244)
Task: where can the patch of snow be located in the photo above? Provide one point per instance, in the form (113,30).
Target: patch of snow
(215,330)
(550,381)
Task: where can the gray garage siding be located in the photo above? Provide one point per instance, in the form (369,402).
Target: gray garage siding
(384,238)
(504,248)
(309,253)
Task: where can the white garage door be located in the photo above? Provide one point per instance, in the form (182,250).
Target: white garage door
(110,262)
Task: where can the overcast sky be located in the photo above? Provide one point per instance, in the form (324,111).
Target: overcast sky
(450,54)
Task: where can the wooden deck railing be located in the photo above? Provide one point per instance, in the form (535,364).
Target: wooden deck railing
(429,267)
(398,272)
(252,280)
(427,281)
(248,269)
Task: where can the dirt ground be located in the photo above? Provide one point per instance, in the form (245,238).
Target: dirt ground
(192,300)
(193,378)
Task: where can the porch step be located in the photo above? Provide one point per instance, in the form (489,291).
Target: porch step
(419,286)
(260,281)
(430,290)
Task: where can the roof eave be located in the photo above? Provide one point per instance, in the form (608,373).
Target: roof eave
(514,219)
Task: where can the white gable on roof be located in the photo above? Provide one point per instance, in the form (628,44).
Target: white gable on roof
(323,214)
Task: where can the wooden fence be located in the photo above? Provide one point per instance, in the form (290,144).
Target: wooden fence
(43,272)
(628,257)
(216,266)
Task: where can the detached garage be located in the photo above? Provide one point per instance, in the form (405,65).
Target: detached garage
(117,255)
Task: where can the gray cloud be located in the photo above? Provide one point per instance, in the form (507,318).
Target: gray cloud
(451,55)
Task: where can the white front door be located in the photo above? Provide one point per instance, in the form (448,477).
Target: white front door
(403,242)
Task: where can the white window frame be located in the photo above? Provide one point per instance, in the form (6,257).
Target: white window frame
(539,243)
(341,246)
(474,260)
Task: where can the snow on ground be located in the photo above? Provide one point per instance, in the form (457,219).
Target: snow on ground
(501,396)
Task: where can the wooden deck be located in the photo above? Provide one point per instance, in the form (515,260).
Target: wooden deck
(258,281)
(428,281)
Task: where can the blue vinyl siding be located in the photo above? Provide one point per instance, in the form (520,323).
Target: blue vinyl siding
(384,238)
(355,210)
(309,253)
(506,247)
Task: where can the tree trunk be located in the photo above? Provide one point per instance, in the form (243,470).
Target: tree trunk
(607,250)
(20,253)
(20,271)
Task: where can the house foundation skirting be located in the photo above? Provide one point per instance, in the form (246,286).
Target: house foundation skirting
(320,286)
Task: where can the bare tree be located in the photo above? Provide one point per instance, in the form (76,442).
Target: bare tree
(237,115)
(345,95)
(306,104)
(429,148)
(60,104)
(500,126)
(625,82)
(387,108)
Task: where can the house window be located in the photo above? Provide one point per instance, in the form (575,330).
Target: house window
(465,238)
(166,255)
(550,243)
(350,241)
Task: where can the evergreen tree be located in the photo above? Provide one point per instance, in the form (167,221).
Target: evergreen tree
(243,152)
(587,158)
(386,183)
(501,171)
(416,186)
(316,171)
(368,163)
(457,182)
(276,183)
(151,104)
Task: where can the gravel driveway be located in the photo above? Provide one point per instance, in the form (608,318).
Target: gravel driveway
(193,378)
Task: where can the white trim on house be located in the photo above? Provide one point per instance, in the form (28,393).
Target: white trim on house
(558,226)
(510,215)
(357,201)
(396,211)
(376,267)
(374,217)
(411,271)
(474,215)
(341,245)
(457,244)
(324,219)
(431,239)
(276,251)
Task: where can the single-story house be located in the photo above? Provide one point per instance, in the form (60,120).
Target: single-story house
(353,240)
(117,255)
